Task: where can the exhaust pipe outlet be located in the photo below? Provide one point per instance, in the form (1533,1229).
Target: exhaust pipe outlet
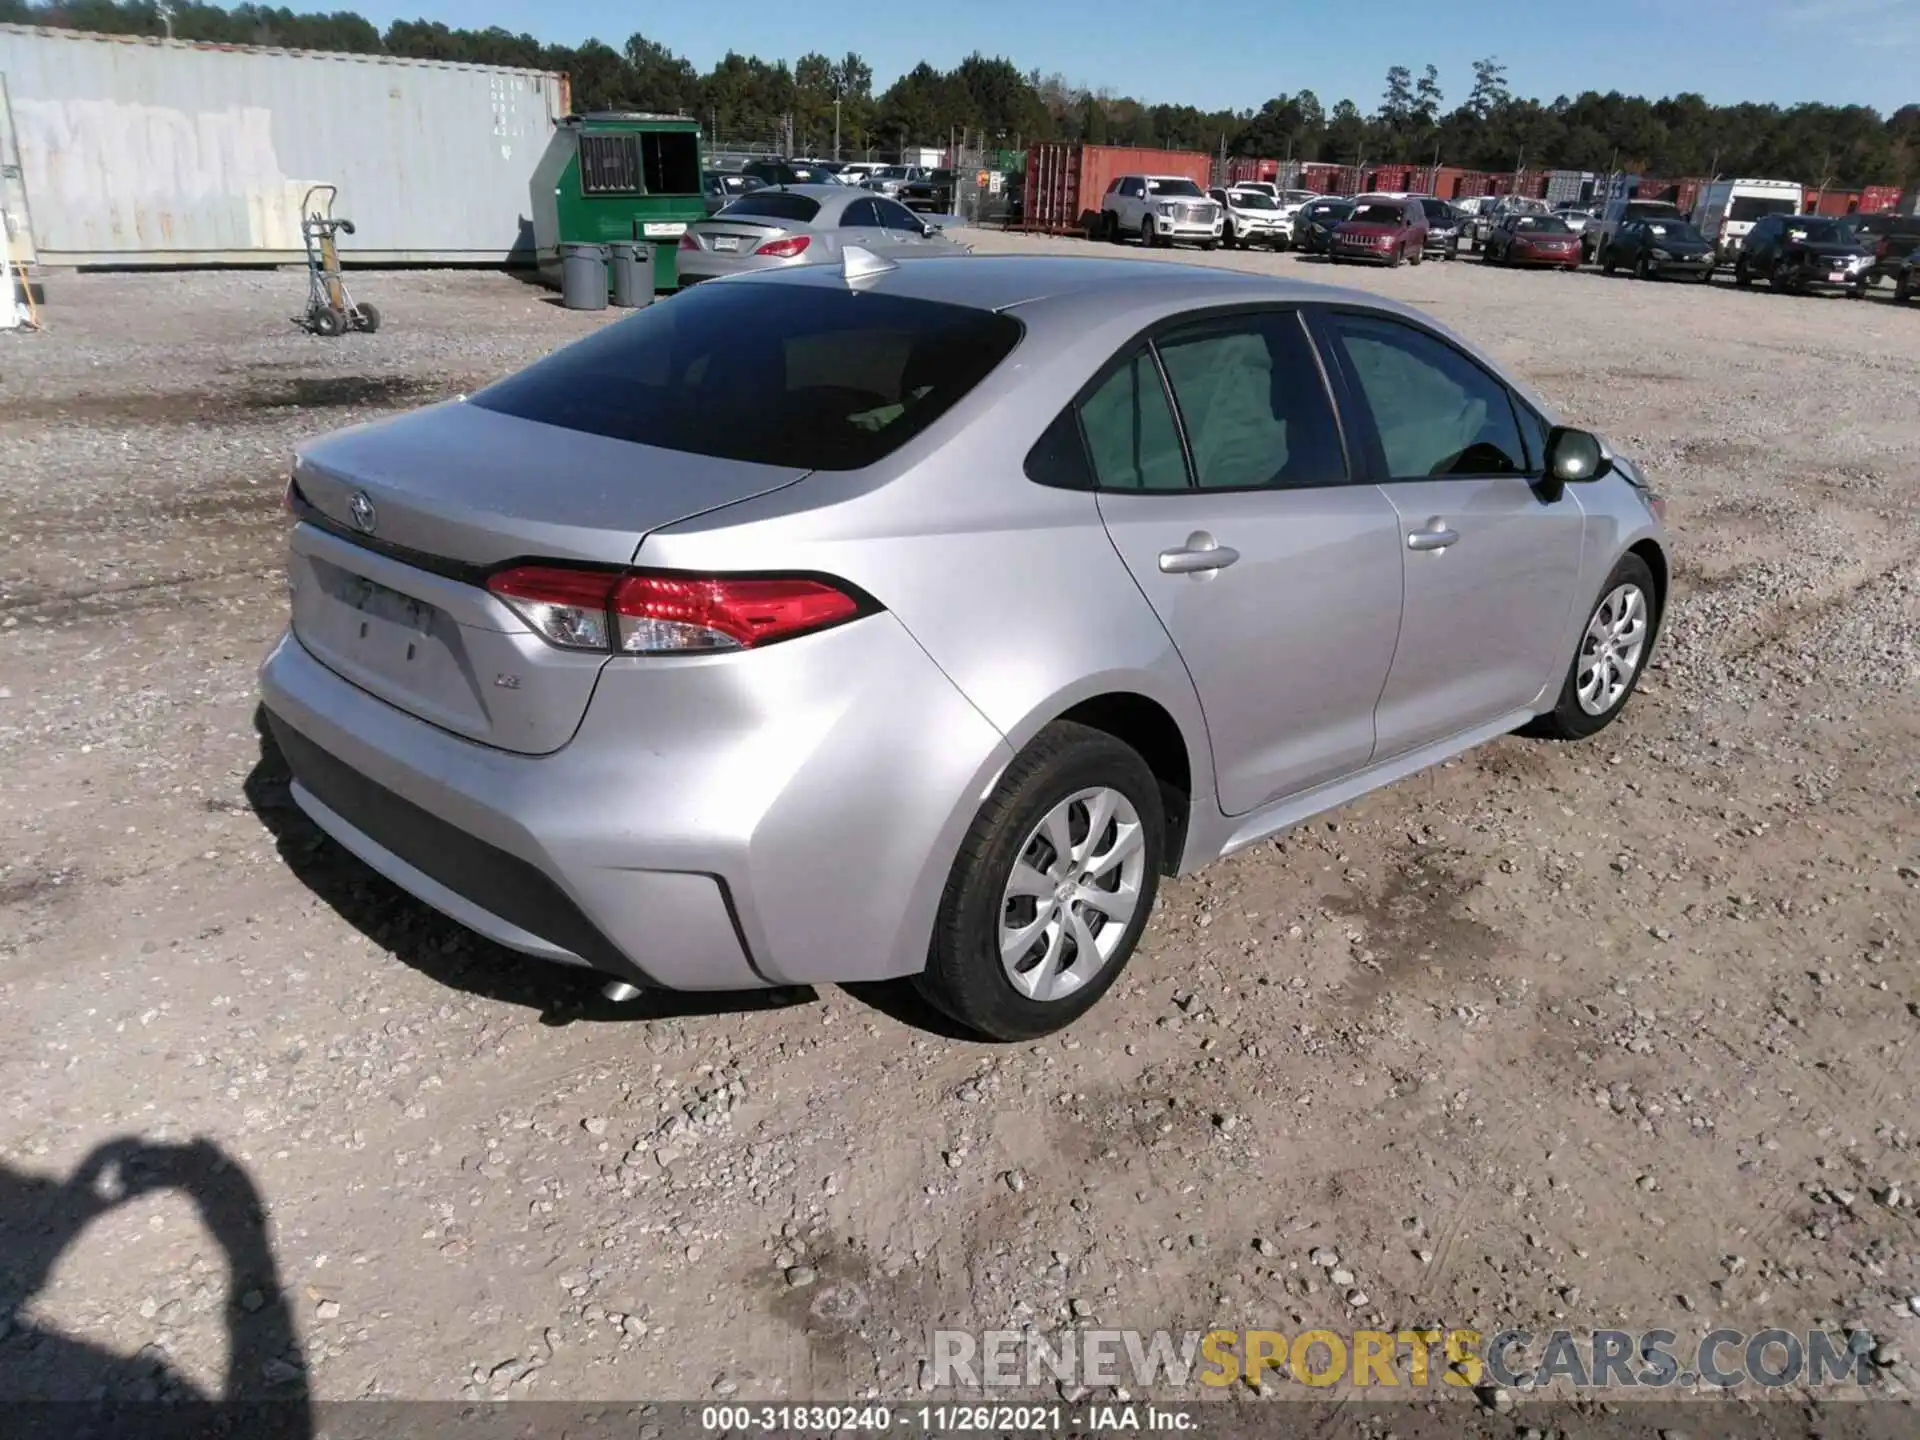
(619,991)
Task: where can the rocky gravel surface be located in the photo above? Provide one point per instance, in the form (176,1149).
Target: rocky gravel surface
(1621,1033)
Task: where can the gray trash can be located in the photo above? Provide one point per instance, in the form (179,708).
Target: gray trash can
(583,277)
(632,265)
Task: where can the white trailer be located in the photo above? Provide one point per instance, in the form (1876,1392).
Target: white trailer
(1726,210)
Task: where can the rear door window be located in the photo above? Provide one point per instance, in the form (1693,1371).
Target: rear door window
(1129,428)
(1253,403)
(784,374)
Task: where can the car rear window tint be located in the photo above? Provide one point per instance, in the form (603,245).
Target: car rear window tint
(777,374)
(776,205)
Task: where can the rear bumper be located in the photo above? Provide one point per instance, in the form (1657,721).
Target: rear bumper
(698,265)
(708,828)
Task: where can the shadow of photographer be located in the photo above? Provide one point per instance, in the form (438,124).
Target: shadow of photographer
(55,1384)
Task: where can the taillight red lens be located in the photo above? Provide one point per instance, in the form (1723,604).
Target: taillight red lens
(786,249)
(687,242)
(665,614)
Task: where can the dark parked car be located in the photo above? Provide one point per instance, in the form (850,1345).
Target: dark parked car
(1805,253)
(932,191)
(1526,239)
(1894,239)
(1382,232)
(1314,223)
(788,172)
(1445,227)
(1663,248)
(722,188)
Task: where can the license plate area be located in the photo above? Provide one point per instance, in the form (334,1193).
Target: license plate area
(728,243)
(1835,277)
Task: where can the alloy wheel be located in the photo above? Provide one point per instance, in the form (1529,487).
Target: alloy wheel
(1075,886)
(1610,654)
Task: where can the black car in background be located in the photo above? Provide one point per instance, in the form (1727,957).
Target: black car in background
(721,188)
(788,172)
(1660,248)
(1445,227)
(1313,225)
(1805,253)
(933,191)
(1894,238)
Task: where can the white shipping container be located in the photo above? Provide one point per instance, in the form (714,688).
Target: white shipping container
(157,152)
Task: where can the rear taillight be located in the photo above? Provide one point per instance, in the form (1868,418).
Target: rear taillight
(669,614)
(786,249)
(687,242)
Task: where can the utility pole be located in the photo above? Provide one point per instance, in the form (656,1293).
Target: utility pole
(166,17)
(836,125)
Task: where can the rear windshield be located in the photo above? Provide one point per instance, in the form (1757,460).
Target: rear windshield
(774,205)
(1752,207)
(802,375)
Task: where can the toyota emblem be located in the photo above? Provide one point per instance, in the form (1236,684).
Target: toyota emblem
(361,510)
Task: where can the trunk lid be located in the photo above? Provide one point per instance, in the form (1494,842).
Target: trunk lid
(736,237)
(408,516)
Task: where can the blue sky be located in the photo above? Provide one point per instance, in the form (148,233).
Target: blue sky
(1240,52)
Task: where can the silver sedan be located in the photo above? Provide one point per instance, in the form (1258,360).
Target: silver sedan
(789,225)
(913,620)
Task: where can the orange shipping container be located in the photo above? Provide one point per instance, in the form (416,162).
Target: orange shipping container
(1837,202)
(1065,183)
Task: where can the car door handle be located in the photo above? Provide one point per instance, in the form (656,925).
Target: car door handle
(1435,537)
(1201,554)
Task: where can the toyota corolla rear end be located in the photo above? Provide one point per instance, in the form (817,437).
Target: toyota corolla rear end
(713,780)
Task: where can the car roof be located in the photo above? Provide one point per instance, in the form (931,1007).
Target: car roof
(999,282)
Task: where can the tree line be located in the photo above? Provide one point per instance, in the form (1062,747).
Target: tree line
(992,101)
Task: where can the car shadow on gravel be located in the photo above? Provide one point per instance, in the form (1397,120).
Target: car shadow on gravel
(418,935)
(44,1370)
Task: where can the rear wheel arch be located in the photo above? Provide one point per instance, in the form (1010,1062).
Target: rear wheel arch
(1149,729)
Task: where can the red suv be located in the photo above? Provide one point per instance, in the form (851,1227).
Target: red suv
(1381,231)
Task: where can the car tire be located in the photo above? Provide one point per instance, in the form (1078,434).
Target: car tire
(1062,778)
(1419,255)
(1591,697)
(1399,259)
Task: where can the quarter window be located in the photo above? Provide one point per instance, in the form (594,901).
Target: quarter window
(1436,412)
(1253,403)
(1130,434)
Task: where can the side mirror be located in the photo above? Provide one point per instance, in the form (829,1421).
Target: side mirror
(1574,456)
(928,229)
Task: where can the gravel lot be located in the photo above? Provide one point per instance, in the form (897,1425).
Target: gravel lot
(1617,1033)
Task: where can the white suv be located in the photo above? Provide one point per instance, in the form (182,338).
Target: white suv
(1161,210)
(1252,217)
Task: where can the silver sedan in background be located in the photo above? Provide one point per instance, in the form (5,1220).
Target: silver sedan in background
(857,622)
(788,225)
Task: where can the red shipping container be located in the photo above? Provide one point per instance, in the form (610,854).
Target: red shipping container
(1471,184)
(1319,177)
(1065,183)
(1392,177)
(1836,202)
(1878,199)
(1349,180)
(1244,168)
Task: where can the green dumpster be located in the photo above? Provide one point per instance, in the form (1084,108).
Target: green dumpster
(618,176)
